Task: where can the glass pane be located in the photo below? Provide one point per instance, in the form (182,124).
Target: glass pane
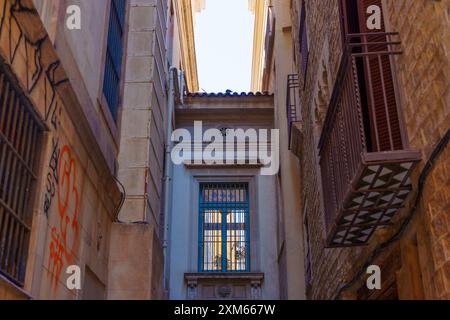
(236,241)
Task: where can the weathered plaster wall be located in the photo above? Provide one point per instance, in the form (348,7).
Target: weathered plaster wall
(136,276)
(424,84)
(75,196)
(418,263)
(291,224)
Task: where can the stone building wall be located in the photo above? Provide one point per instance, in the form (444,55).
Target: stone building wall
(82,137)
(424,83)
(261,281)
(141,158)
(74,199)
(324,39)
(290,224)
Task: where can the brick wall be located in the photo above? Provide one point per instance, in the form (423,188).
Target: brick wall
(141,158)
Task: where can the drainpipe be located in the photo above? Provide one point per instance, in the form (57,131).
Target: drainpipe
(173,76)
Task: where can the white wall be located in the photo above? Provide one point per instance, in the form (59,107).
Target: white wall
(184,225)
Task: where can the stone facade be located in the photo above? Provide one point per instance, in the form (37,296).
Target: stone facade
(74,197)
(291,253)
(141,158)
(424,83)
(417,265)
(188,280)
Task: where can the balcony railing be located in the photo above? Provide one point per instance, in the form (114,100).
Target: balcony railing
(364,158)
(293,114)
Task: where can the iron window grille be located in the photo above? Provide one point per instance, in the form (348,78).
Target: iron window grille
(114,54)
(307,246)
(224,242)
(20,134)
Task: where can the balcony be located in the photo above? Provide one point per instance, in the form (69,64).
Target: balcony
(224,285)
(364,156)
(293,114)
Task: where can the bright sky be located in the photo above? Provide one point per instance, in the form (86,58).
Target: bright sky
(224,44)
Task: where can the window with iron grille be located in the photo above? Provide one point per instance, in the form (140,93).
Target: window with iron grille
(114,53)
(303,40)
(19,146)
(224,228)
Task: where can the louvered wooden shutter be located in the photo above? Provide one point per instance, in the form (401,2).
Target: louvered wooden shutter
(303,40)
(384,118)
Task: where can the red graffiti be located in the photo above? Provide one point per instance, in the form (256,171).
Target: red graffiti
(64,239)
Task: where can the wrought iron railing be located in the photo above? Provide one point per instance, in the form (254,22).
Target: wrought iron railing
(292,97)
(362,131)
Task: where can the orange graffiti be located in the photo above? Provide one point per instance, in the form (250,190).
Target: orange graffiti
(63,243)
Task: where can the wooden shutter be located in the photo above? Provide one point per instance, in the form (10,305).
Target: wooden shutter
(383,112)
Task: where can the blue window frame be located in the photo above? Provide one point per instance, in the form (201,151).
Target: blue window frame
(114,53)
(224,237)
